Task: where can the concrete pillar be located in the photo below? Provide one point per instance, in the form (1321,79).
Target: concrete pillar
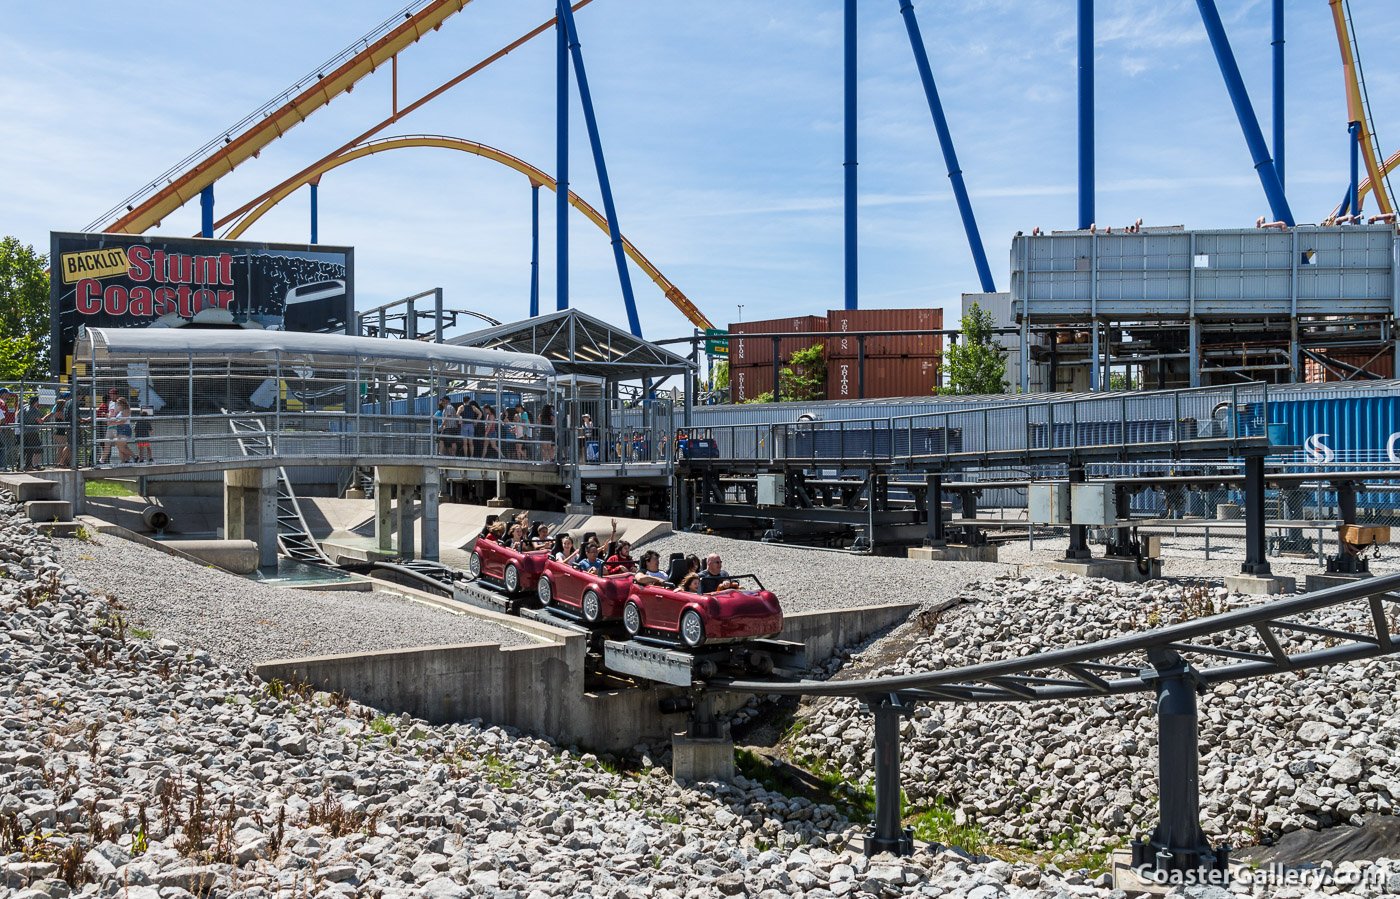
(257,486)
(432,486)
(266,535)
(233,513)
(383,529)
(405,514)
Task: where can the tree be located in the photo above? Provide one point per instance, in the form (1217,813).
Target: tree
(803,378)
(24,311)
(719,376)
(977,363)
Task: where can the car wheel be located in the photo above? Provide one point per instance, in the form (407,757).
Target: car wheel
(512,578)
(546,591)
(632,618)
(692,628)
(474,565)
(592,607)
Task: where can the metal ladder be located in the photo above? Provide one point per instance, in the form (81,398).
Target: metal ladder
(293,536)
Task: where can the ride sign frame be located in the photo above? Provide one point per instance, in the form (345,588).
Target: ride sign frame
(146,281)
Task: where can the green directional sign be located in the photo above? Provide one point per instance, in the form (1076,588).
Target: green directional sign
(716,342)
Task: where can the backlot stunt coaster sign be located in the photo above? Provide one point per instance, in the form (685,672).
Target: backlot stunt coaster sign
(136,281)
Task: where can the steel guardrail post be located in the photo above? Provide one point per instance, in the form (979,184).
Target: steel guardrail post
(1178,843)
(888,834)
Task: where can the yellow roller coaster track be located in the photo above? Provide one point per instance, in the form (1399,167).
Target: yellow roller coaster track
(1358,111)
(536,176)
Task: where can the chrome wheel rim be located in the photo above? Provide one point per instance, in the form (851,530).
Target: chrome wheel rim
(545,591)
(692,628)
(632,619)
(590,606)
(474,565)
(512,578)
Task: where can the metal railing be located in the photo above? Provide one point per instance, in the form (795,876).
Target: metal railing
(1169,421)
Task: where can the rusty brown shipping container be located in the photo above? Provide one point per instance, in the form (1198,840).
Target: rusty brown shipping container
(747,382)
(1382,366)
(759,350)
(854,321)
(885,376)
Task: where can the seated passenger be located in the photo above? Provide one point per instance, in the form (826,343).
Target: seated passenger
(715,577)
(495,532)
(590,561)
(539,535)
(651,575)
(517,540)
(621,561)
(564,550)
(690,584)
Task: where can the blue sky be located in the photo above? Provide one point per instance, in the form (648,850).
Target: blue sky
(722,126)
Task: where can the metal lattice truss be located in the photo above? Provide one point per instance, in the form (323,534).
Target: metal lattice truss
(1258,641)
(578,343)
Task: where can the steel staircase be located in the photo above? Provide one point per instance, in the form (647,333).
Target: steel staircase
(293,536)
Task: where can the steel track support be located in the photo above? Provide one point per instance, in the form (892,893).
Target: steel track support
(888,834)
(206,211)
(937,533)
(1178,843)
(1078,533)
(1256,560)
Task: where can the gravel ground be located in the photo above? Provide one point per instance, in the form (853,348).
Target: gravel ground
(807,580)
(240,622)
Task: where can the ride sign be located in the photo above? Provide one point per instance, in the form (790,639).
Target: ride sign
(133,281)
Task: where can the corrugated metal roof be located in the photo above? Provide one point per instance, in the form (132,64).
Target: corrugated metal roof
(144,342)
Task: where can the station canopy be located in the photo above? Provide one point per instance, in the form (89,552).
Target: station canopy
(122,345)
(579,344)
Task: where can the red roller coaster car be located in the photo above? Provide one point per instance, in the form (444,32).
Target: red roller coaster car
(595,597)
(516,571)
(696,619)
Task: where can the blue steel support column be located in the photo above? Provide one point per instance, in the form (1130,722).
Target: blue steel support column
(206,212)
(1086,113)
(1354,191)
(945,140)
(852,266)
(314,230)
(534,250)
(1278,90)
(561,165)
(623,276)
(1244,111)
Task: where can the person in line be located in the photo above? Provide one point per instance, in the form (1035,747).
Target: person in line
(109,431)
(590,561)
(471,413)
(715,577)
(564,550)
(119,429)
(449,427)
(491,448)
(651,574)
(31,435)
(8,406)
(620,561)
(547,449)
(466,447)
(58,417)
(141,428)
(585,436)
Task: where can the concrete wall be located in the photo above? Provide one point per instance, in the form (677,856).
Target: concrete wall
(540,689)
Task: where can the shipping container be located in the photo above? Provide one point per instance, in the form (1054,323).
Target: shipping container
(1382,365)
(759,350)
(749,381)
(856,321)
(884,377)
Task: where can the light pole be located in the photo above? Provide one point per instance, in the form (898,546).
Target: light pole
(741,311)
